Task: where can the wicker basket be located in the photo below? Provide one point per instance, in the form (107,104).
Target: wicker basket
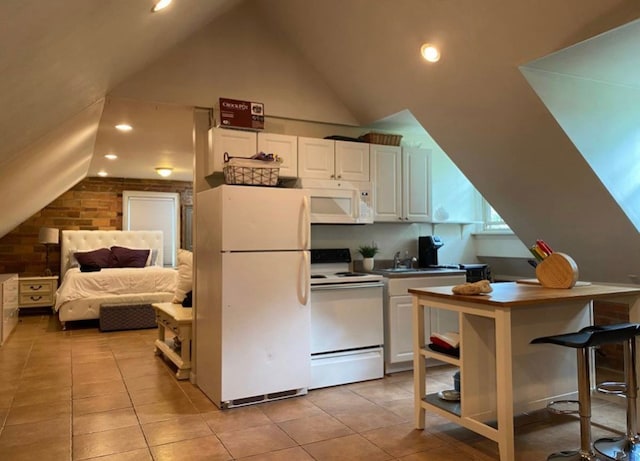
(382,138)
(250,172)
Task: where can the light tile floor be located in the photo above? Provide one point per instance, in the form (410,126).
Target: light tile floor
(86,395)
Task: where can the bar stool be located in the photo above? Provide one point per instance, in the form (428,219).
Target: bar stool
(581,341)
(626,447)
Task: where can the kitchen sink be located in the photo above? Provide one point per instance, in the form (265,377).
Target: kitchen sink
(407,270)
(399,269)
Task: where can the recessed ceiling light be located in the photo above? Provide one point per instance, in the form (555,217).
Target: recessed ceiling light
(111,156)
(164,171)
(430,52)
(124,127)
(160,5)
(102,173)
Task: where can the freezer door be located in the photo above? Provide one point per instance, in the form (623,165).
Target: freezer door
(264,218)
(265,323)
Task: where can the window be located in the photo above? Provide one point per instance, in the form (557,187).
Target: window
(491,218)
(143,210)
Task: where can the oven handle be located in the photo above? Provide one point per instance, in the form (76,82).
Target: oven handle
(346,286)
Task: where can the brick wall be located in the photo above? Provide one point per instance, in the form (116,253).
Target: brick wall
(93,204)
(610,356)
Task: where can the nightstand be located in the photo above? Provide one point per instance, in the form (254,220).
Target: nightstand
(37,291)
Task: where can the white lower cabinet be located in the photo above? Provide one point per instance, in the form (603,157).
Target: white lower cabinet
(398,329)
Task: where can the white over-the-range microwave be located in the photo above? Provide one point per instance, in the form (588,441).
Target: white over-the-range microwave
(339,202)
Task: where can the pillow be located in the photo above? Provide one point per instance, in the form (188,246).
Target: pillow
(185,275)
(90,268)
(73,262)
(101,257)
(153,257)
(129,257)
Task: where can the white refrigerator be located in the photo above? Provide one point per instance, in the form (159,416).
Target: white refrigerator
(252,293)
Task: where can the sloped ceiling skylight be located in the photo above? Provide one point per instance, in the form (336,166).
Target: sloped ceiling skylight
(593,91)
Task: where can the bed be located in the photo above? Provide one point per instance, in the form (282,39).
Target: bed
(82,292)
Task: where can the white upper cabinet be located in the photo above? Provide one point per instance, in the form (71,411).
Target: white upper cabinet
(328,159)
(416,184)
(235,142)
(239,143)
(284,146)
(386,175)
(352,161)
(401,177)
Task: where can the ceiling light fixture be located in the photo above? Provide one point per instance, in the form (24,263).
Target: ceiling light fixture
(430,52)
(111,156)
(124,127)
(160,5)
(164,171)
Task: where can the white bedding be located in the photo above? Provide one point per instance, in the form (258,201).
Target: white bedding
(114,282)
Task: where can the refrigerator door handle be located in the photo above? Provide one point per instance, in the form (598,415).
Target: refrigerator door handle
(305,278)
(306,223)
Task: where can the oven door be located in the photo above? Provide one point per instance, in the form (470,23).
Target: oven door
(346,316)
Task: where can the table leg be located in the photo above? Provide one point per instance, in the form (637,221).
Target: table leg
(160,334)
(504,385)
(419,373)
(634,316)
(185,350)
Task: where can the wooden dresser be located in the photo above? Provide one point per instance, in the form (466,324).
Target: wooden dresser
(9,304)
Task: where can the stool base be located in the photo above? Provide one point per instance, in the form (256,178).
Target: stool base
(572,456)
(619,448)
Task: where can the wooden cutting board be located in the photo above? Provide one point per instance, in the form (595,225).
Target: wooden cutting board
(537,282)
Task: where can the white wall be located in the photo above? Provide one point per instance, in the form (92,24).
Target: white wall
(239,56)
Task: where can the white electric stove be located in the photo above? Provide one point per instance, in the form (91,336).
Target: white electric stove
(347,332)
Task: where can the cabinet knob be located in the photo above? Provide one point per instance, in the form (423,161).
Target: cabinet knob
(339,176)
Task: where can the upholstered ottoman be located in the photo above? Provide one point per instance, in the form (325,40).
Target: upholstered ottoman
(126,317)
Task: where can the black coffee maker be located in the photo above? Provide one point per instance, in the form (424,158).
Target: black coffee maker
(428,247)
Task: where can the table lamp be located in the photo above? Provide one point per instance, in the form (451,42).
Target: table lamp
(48,236)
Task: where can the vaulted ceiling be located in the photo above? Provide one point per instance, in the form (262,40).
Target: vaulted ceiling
(341,61)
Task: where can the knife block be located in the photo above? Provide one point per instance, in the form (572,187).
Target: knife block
(557,270)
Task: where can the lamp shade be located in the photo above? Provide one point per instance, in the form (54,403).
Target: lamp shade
(49,235)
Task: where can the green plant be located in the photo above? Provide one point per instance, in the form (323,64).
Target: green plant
(368,251)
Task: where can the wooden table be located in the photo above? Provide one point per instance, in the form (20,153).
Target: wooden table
(177,319)
(501,373)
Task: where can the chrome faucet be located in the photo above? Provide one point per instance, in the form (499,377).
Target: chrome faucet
(396,260)
(409,261)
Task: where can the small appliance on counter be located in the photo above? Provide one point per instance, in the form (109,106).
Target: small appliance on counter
(428,247)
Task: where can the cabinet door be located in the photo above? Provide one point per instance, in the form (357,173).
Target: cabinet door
(316,158)
(399,341)
(386,175)
(237,143)
(286,147)
(352,161)
(416,168)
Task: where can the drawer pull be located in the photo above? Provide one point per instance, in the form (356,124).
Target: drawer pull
(36,287)
(35,298)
